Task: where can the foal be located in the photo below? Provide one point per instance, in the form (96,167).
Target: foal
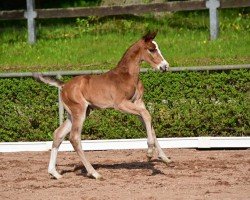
(119,88)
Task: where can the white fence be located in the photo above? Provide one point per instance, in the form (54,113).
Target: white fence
(188,142)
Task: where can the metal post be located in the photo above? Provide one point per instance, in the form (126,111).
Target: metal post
(213,18)
(30,15)
(60,105)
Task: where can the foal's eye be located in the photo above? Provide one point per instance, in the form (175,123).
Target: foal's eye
(152,50)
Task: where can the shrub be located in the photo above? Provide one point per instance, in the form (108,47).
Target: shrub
(182,104)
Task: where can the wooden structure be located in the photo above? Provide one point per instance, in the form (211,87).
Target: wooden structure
(31,14)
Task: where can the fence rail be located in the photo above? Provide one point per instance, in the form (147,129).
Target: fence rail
(87,72)
(31,14)
(91,145)
(143,70)
(121,10)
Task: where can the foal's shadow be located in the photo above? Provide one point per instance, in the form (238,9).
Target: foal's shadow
(129,166)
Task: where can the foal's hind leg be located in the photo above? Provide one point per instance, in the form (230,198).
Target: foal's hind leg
(59,135)
(78,117)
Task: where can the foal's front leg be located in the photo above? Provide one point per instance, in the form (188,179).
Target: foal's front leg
(155,144)
(161,153)
(138,108)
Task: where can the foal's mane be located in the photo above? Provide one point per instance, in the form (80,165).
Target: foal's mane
(129,55)
(132,52)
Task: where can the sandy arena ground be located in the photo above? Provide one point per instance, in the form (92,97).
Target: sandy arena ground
(218,174)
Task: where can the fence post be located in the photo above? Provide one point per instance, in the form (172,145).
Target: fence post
(30,15)
(60,105)
(213,18)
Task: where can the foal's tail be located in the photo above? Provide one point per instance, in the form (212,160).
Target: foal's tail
(47,80)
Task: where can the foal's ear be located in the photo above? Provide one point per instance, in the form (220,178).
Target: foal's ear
(149,36)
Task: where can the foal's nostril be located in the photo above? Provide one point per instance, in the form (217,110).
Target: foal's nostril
(163,68)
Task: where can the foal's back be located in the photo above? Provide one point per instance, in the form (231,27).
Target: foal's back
(102,91)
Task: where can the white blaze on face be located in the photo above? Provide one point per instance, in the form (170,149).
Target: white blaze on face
(163,62)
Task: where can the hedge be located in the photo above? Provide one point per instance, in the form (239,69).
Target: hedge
(182,104)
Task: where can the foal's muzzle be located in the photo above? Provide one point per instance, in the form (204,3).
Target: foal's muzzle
(164,66)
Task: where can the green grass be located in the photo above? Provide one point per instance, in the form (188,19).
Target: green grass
(99,43)
(195,103)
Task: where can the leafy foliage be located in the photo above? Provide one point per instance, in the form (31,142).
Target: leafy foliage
(28,110)
(181,104)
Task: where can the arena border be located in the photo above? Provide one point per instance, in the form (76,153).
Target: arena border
(121,144)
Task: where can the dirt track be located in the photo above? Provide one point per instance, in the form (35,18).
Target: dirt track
(193,175)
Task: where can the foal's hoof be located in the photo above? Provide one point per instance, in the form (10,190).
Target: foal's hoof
(150,154)
(95,175)
(55,175)
(149,158)
(166,160)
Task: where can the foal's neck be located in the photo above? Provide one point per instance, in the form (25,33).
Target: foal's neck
(130,62)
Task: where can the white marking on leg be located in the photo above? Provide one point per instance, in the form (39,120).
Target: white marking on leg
(161,153)
(52,163)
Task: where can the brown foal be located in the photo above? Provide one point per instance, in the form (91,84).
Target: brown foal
(119,88)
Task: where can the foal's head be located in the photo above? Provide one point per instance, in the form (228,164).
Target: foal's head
(152,54)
